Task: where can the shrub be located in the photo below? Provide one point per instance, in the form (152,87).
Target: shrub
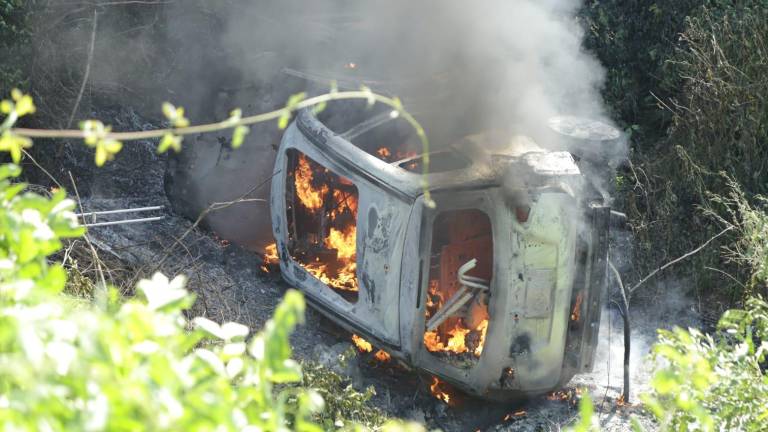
(713,384)
(69,365)
(14,43)
(716,122)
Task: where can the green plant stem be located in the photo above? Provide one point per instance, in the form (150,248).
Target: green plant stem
(254,119)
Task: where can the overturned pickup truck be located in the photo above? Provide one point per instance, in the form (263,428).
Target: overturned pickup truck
(497,289)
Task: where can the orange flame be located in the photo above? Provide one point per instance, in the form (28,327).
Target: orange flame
(366,347)
(362,344)
(483,329)
(520,413)
(439,391)
(384,152)
(453,340)
(310,197)
(456,342)
(270,256)
(577,307)
(338,273)
(559,396)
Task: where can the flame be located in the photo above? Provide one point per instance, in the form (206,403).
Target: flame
(559,396)
(270,256)
(439,391)
(310,197)
(343,202)
(343,242)
(365,347)
(362,344)
(577,307)
(384,152)
(338,273)
(456,342)
(453,340)
(345,277)
(483,329)
(520,413)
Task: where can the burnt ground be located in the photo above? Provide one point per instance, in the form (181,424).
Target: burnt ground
(231,286)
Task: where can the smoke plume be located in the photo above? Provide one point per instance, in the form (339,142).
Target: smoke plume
(461,67)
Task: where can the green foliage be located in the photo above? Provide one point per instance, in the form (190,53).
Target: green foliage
(133,365)
(586,420)
(14,43)
(709,384)
(690,76)
(175,116)
(290,107)
(751,221)
(96,137)
(634,39)
(342,402)
(706,383)
(19,106)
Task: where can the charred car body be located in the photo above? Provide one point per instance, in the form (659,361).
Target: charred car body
(496,290)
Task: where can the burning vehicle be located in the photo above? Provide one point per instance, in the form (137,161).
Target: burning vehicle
(496,290)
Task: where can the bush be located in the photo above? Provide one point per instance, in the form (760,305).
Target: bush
(714,118)
(70,365)
(713,384)
(14,43)
(707,383)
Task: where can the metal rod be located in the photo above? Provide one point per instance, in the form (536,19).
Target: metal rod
(365,126)
(133,210)
(126,221)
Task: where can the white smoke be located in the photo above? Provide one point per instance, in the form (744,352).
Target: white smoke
(464,66)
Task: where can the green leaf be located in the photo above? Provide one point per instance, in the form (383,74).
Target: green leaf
(9,171)
(25,105)
(284,119)
(208,326)
(238,136)
(586,412)
(664,382)
(6,106)
(101,156)
(175,115)
(162,293)
(232,330)
(94,131)
(317,109)
(14,144)
(169,141)
(294,100)
(11,191)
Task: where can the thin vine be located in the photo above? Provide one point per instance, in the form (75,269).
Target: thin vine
(108,143)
